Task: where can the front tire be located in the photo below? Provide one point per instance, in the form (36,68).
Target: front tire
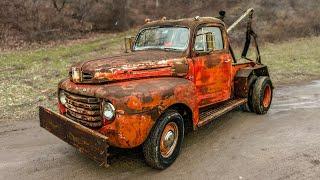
(262,95)
(164,142)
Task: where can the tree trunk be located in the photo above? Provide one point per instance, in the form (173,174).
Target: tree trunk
(120,15)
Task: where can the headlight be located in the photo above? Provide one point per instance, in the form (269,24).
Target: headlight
(62,97)
(76,74)
(108,111)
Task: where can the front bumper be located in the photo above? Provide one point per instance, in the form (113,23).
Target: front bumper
(87,141)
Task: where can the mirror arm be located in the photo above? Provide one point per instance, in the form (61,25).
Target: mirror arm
(129,43)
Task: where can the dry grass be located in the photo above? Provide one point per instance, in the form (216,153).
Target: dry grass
(29,78)
(294,60)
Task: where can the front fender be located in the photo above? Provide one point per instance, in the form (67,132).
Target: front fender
(139,103)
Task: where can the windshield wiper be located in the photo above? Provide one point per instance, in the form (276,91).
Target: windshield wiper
(160,48)
(170,48)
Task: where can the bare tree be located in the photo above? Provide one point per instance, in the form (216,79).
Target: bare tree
(82,9)
(120,14)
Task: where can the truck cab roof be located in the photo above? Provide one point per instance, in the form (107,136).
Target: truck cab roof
(186,22)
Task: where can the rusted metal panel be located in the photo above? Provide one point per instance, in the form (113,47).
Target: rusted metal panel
(241,87)
(87,141)
(138,104)
(213,78)
(241,84)
(132,66)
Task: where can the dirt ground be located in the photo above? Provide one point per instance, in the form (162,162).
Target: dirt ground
(283,144)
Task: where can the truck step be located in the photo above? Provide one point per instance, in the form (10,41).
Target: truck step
(214,112)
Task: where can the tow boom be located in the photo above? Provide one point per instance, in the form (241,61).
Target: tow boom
(249,13)
(250,33)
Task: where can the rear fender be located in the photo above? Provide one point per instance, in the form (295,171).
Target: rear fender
(245,77)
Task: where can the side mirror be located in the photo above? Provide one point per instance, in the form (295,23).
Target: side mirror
(210,41)
(128,43)
(205,43)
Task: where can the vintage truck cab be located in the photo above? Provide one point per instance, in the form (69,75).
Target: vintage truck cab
(179,75)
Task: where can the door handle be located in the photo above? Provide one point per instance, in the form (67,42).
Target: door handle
(227,60)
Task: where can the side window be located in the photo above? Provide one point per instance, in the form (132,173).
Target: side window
(200,40)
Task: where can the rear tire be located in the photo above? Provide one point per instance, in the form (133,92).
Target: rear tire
(262,95)
(164,142)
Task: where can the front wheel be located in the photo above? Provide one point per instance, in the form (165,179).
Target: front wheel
(262,95)
(164,142)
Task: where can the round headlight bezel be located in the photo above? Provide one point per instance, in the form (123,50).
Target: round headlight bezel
(108,111)
(62,97)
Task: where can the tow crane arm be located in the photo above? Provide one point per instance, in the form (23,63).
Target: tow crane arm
(249,34)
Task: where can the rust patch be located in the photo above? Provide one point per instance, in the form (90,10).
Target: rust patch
(212,80)
(128,130)
(140,64)
(212,62)
(146,99)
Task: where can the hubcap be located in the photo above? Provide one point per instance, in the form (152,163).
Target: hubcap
(169,139)
(267,96)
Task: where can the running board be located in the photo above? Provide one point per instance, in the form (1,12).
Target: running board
(214,112)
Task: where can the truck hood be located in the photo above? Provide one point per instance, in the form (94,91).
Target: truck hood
(141,64)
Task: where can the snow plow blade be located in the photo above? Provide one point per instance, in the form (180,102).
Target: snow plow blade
(87,141)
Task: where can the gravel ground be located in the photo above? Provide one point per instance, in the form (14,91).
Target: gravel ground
(283,144)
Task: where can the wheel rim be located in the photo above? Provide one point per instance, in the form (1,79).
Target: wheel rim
(267,96)
(169,139)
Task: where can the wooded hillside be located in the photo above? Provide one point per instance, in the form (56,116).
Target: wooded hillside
(43,20)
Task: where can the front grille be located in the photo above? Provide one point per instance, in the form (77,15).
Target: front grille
(84,109)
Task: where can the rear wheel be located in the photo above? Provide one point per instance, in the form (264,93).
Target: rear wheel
(164,142)
(262,95)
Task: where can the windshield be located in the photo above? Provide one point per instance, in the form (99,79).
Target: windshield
(168,38)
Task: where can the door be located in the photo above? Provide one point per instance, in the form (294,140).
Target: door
(212,66)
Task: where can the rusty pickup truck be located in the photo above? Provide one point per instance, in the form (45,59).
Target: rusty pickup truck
(178,76)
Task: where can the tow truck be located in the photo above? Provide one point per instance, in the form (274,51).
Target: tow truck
(176,76)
